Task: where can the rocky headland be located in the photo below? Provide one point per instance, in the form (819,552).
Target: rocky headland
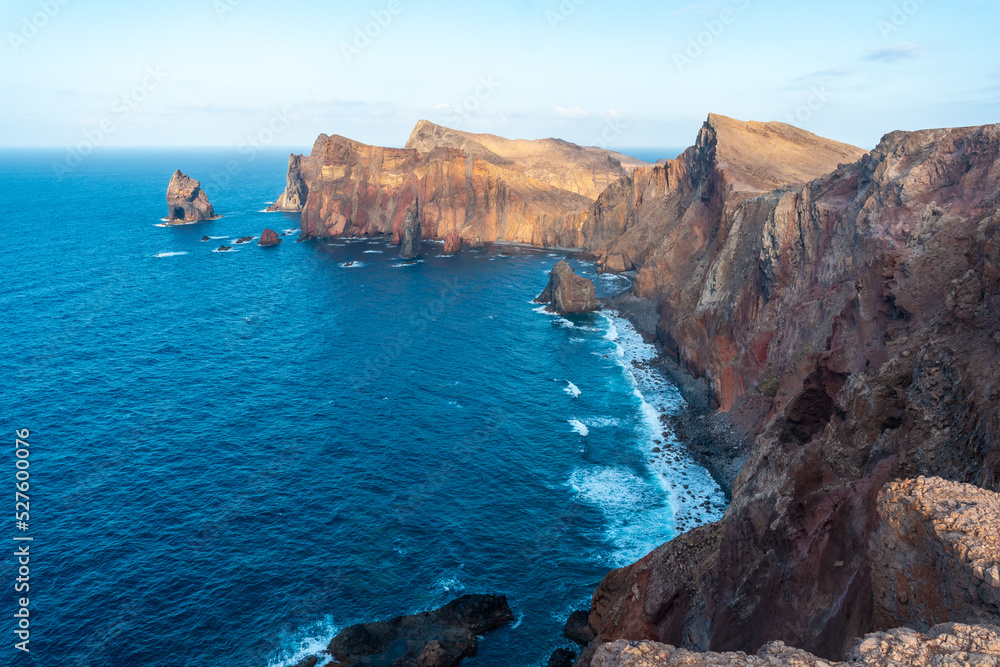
(186,201)
(834,313)
(472,189)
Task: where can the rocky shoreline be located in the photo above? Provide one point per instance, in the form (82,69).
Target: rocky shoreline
(711,437)
(830,316)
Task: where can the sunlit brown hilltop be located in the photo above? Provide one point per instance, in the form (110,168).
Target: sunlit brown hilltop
(842,308)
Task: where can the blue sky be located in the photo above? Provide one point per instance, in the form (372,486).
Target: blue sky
(622,74)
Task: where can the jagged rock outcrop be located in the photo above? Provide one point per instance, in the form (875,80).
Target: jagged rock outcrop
(186,201)
(952,645)
(269,237)
(569,293)
(936,554)
(849,324)
(439,638)
(479,187)
(410,243)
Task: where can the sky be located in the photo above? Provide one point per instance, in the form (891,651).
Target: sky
(617,74)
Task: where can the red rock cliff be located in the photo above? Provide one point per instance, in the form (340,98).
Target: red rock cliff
(849,321)
(478,188)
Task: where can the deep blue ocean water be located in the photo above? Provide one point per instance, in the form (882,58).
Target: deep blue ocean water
(236,454)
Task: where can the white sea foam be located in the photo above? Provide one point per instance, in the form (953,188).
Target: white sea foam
(602,422)
(374,252)
(216,238)
(309,641)
(572,390)
(171,254)
(266,211)
(293,230)
(226,251)
(579,427)
(635,517)
(352,265)
(402,264)
(693,496)
(450,585)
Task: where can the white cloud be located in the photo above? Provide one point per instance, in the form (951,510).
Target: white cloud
(573,114)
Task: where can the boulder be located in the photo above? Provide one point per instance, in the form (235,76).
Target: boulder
(243,240)
(439,638)
(225,248)
(410,241)
(186,201)
(936,554)
(569,293)
(269,238)
(205,239)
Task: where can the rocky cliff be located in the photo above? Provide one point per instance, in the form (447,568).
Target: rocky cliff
(473,189)
(186,201)
(848,323)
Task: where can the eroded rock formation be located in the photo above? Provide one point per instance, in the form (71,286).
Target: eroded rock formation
(440,638)
(409,247)
(186,201)
(569,293)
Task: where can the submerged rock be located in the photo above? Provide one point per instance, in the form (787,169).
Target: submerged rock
(269,238)
(439,638)
(569,293)
(578,628)
(562,657)
(205,239)
(410,243)
(186,201)
(243,240)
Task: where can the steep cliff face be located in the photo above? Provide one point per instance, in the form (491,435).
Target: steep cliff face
(861,308)
(668,220)
(476,188)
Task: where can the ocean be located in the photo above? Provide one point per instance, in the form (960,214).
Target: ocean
(234,455)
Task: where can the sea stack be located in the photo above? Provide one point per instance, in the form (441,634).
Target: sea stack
(569,293)
(410,246)
(452,243)
(269,238)
(186,200)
